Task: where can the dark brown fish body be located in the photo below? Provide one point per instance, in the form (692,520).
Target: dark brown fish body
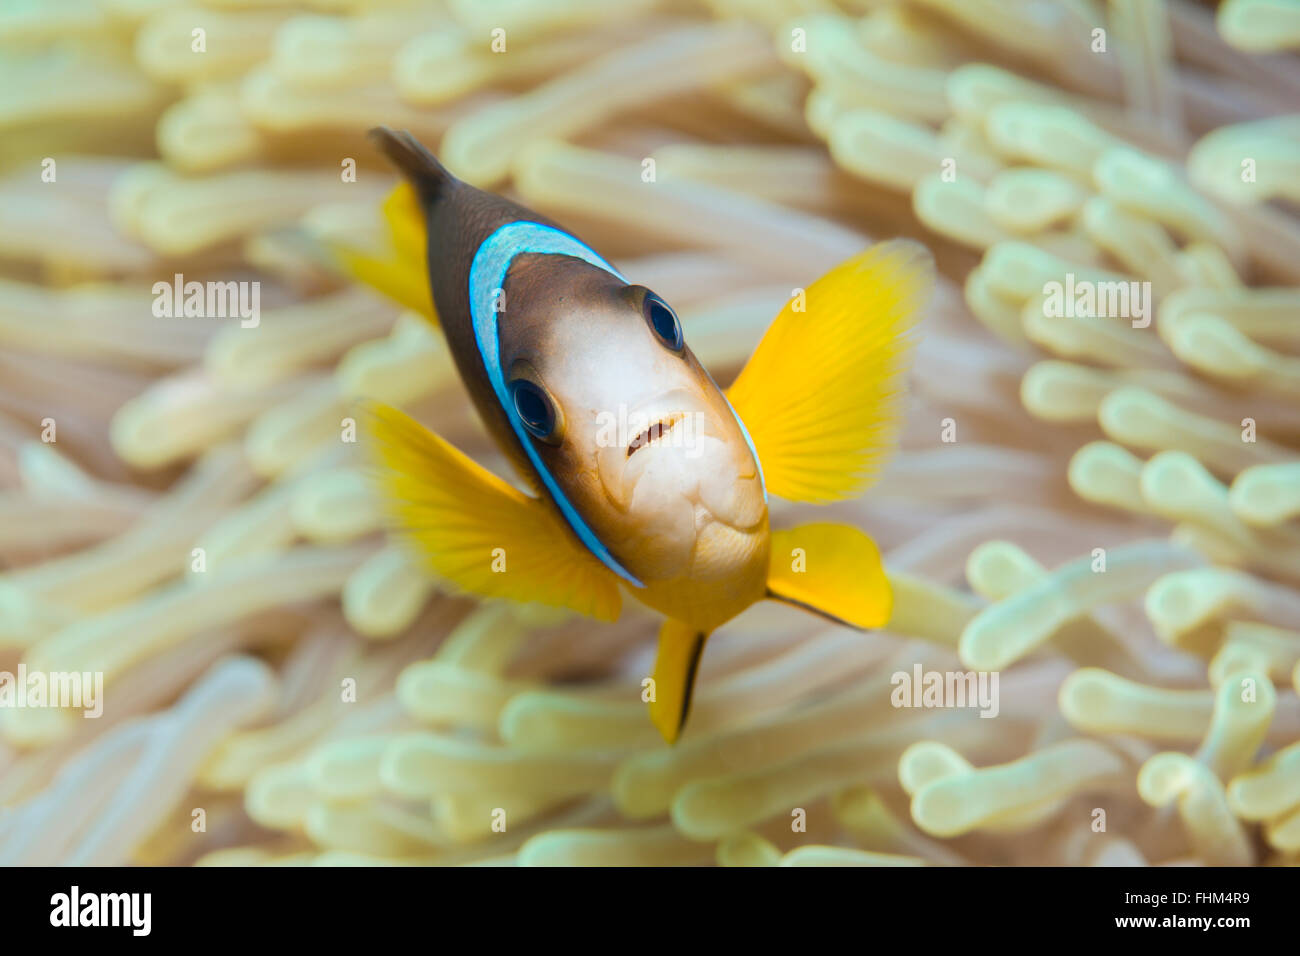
(459,219)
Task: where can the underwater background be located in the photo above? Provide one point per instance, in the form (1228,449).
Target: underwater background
(1101,510)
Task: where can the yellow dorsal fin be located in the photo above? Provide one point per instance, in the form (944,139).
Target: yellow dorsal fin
(398,268)
(820,396)
(474,530)
(678,660)
(833,570)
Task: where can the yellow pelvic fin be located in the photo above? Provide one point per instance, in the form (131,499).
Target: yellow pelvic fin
(680,646)
(474,530)
(821,394)
(833,570)
(399,268)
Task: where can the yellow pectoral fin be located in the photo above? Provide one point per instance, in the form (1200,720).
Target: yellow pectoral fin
(820,395)
(680,647)
(398,268)
(474,530)
(833,570)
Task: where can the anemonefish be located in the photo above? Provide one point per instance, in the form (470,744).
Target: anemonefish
(555,346)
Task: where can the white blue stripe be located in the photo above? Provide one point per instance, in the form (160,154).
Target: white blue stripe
(487,274)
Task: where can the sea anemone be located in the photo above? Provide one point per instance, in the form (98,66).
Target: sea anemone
(1103,511)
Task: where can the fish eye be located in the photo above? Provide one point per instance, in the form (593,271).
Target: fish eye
(663,321)
(536,410)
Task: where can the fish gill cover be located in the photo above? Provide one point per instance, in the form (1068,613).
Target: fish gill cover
(1091,528)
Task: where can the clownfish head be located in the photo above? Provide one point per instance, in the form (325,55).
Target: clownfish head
(634,432)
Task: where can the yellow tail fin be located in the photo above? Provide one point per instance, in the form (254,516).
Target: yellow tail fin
(820,395)
(474,530)
(678,660)
(833,570)
(400,268)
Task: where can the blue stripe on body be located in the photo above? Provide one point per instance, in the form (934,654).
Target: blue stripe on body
(487,274)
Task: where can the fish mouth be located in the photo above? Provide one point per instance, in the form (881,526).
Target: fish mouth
(675,421)
(654,433)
